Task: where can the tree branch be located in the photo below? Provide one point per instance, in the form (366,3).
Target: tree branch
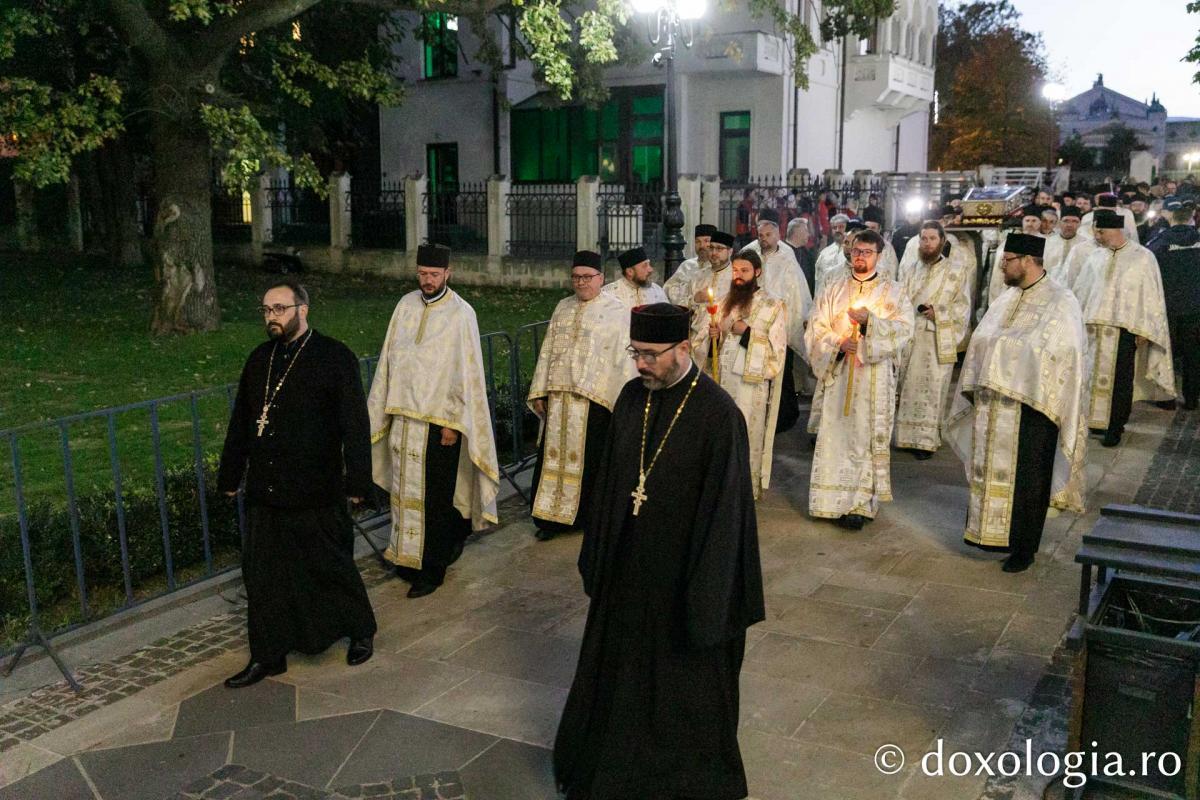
(142,31)
(254,15)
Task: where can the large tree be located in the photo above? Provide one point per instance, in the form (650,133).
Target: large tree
(989,80)
(1120,146)
(262,83)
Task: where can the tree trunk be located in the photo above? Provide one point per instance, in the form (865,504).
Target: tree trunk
(181,249)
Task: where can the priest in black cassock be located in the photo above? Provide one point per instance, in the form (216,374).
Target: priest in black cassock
(299,438)
(670,561)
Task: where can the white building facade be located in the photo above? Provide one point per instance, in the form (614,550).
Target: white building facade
(740,111)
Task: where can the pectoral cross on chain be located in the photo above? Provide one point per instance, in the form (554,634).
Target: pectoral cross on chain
(262,421)
(639,494)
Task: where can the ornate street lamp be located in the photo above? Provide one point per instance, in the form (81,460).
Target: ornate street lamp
(670,23)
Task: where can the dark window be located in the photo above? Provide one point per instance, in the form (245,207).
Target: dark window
(735,146)
(439,34)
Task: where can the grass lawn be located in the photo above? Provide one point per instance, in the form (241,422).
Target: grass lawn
(76,340)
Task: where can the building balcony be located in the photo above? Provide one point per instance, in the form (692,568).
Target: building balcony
(742,52)
(887,82)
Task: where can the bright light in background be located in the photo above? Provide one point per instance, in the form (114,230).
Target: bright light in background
(646,6)
(914,205)
(451,22)
(1054,92)
(691,9)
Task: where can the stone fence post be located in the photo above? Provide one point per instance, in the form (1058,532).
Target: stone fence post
(710,200)
(587,213)
(416,219)
(690,194)
(499,224)
(261,227)
(339,210)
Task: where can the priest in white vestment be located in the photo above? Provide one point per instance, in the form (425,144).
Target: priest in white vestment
(937,286)
(1128,340)
(580,371)
(677,285)
(832,255)
(1018,419)
(1060,245)
(1110,202)
(431,432)
(1031,225)
(711,280)
(750,333)
(634,287)
(856,333)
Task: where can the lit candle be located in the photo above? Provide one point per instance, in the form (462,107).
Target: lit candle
(853,360)
(713,344)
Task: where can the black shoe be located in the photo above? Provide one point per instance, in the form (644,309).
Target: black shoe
(922,455)
(852,522)
(1110,439)
(360,651)
(1166,405)
(1015,563)
(1189,405)
(544,535)
(408,574)
(1096,431)
(254,672)
(456,553)
(421,588)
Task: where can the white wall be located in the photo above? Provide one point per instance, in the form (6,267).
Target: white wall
(702,101)
(441,111)
(914,142)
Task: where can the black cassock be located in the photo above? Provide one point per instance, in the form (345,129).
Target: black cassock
(303,590)
(653,710)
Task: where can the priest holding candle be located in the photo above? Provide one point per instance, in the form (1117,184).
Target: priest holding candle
(858,330)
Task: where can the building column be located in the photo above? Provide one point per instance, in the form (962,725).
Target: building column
(710,200)
(261,228)
(339,210)
(587,213)
(416,219)
(27,229)
(499,224)
(690,195)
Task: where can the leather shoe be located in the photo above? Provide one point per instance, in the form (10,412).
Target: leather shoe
(1015,563)
(254,672)
(408,574)
(456,553)
(421,588)
(922,455)
(1110,440)
(1166,405)
(543,535)
(852,522)
(360,651)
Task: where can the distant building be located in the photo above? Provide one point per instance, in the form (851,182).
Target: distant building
(741,113)
(1183,139)
(1094,114)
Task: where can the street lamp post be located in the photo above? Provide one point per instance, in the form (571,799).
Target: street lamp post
(1054,93)
(670,23)
(1190,159)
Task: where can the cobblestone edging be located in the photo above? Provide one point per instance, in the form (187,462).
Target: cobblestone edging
(1173,480)
(235,782)
(50,707)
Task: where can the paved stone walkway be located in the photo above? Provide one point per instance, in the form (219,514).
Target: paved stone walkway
(898,634)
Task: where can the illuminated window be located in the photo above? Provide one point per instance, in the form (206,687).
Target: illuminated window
(439,34)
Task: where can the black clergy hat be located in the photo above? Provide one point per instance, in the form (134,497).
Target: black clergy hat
(1110,220)
(1067,195)
(588,258)
(1106,200)
(704,229)
(855,225)
(722,238)
(632,257)
(873,214)
(433,255)
(1023,244)
(769,215)
(949,211)
(1032,210)
(660,323)
(1070,211)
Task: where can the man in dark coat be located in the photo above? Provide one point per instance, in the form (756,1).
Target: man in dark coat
(1177,250)
(302,452)
(670,561)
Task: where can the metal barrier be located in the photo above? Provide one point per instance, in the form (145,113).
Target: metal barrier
(230,214)
(542,219)
(458,218)
(152,522)
(630,215)
(298,215)
(377,214)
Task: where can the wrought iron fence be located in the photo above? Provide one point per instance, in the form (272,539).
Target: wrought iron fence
(116,507)
(458,218)
(541,220)
(298,215)
(630,215)
(230,214)
(377,214)
(791,196)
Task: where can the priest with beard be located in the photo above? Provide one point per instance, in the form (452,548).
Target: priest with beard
(1031,225)
(670,562)
(634,287)
(1061,244)
(749,334)
(581,369)
(301,453)
(431,432)
(1129,343)
(677,285)
(1018,418)
(858,330)
(939,287)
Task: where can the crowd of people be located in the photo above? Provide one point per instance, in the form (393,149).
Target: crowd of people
(659,410)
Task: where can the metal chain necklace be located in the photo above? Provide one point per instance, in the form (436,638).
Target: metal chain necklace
(639,494)
(268,395)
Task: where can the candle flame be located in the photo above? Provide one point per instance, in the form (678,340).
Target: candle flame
(710,294)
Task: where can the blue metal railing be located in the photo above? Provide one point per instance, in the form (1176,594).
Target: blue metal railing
(194,427)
